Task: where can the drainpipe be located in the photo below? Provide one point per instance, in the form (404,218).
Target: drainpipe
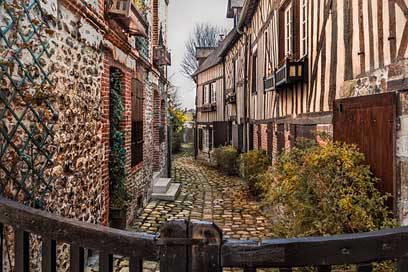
(246,104)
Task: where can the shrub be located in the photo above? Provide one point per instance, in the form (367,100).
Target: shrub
(324,190)
(226,159)
(251,165)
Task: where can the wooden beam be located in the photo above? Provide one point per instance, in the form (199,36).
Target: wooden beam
(392,29)
(83,234)
(333,57)
(380,33)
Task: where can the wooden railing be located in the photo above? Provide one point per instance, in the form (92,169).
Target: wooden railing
(193,246)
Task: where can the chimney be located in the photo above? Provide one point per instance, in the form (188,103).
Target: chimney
(221,38)
(202,53)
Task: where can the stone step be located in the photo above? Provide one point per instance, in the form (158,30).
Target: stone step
(161,185)
(156,176)
(170,195)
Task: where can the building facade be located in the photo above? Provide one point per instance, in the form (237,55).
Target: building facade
(85,52)
(298,68)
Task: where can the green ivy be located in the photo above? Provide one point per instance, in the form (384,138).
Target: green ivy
(117,158)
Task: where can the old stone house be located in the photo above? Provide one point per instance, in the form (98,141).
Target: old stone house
(56,138)
(295,68)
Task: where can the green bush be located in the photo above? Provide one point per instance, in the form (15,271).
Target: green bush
(324,190)
(251,165)
(226,159)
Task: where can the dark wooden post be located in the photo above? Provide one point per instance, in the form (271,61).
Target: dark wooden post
(402,265)
(206,247)
(76,259)
(22,250)
(49,255)
(174,246)
(1,245)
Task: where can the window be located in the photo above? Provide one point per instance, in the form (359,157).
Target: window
(206,94)
(254,73)
(137,123)
(303,28)
(207,139)
(213,92)
(288,31)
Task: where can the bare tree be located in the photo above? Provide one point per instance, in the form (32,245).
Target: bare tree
(203,35)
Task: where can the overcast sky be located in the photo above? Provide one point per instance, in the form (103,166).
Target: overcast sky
(183,14)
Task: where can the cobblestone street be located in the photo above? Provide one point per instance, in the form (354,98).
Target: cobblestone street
(210,196)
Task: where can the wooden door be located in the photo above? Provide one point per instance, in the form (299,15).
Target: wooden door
(369,122)
(220,133)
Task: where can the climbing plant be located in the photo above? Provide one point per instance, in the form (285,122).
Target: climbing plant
(117,157)
(27,115)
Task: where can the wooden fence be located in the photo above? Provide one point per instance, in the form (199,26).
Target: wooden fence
(192,246)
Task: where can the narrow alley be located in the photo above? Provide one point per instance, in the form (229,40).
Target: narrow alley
(207,195)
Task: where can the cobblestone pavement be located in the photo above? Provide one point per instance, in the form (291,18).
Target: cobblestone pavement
(205,195)
(209,196)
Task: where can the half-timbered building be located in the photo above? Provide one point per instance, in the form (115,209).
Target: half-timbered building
(296,68)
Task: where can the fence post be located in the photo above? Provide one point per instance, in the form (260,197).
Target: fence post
(174,246)
(206,247)
(402,265)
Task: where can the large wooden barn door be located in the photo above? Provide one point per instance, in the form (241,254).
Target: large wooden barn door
(370,123)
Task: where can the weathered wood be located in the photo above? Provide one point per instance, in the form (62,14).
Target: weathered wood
(21,250)
(364,268)
(83,234)
(76,259)
(314,251)
(206,257)
(49,255)
(324,268)
(174,258)
(135,264)
(1,245)
(375,115)
(105,262)
(402,265)
(348,39)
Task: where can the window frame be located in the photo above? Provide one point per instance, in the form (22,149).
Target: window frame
(213,93)
(206,94)
(288,30)
(303,27)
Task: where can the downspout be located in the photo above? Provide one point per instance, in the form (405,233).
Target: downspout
(246,104)
(195,126)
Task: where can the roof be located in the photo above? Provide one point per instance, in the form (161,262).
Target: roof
(216,57)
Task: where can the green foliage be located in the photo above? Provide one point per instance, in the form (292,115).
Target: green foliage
(226,159)
(324,190)
(251,165)
(177,119)
(117,158)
